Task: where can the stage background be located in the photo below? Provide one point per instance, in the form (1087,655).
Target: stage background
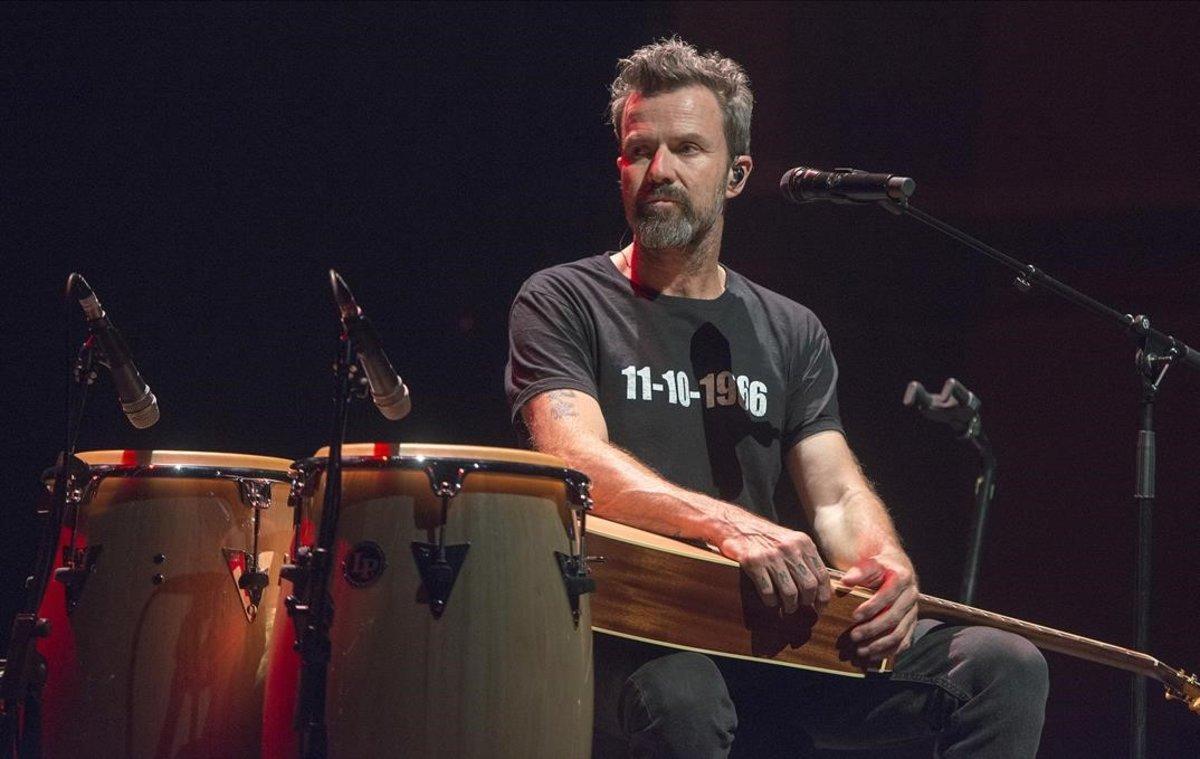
(204,165)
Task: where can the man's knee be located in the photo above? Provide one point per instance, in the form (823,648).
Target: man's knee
(993,660)
(680,699)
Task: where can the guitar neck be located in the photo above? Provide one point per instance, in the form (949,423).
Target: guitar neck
(1045,637)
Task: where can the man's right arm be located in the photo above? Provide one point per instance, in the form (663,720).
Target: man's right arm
(783,564)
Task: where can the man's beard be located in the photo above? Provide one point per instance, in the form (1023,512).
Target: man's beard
(673,227)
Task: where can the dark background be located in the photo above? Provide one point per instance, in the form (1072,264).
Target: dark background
(205,165)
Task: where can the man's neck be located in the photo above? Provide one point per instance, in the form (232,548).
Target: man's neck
(690,272)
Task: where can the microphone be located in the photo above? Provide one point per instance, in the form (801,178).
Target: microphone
(802,184)
(138,403)
(387,389)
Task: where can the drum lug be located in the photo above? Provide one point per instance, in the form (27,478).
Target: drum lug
(576,580)
(445,477)
(256,494)
(579,490)
(302,486)
(79,566)
(439,567)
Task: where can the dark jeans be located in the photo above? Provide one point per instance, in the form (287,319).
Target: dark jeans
(968,691)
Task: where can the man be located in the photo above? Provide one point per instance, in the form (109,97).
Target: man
(684,390)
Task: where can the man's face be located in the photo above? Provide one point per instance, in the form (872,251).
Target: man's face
(674,165)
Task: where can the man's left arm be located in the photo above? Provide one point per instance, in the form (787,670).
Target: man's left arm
(853,528)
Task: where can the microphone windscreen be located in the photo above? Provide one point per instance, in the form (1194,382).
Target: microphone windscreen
(143,412)
(396,404)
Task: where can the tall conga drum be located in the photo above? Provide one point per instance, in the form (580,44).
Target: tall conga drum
(494,659)
(156,647)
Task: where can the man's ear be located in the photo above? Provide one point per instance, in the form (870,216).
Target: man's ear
(739,172)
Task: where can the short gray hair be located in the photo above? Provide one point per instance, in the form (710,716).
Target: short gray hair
(670,64)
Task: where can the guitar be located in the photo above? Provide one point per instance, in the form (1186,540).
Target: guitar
(670,593)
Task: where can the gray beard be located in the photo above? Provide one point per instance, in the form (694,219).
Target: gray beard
(677,228)
(675,231)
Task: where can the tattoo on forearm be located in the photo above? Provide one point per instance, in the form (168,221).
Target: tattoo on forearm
(562,404)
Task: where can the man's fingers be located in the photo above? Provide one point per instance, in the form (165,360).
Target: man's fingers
(894,642)
(804,580)
(786,570)
(868,574)
(888,620)
(786,586)
(762,582)
(775,584)
(885,596)
(824,586)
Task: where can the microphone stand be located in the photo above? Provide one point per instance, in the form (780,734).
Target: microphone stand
(1156,353)
(985,488)
(312,608)
(958,407)
(24,670)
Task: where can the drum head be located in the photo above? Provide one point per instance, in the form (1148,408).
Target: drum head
(183,458)
(445,451)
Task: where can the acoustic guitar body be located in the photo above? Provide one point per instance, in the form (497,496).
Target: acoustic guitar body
(674,594)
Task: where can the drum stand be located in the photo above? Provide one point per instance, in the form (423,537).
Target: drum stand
(24,670)
(311,609)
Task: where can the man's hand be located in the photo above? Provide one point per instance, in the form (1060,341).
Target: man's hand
(783,564)
(884,623)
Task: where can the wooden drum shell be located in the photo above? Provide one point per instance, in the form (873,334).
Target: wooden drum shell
(505,671)
(160,658)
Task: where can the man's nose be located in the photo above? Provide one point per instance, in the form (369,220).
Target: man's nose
(662,166)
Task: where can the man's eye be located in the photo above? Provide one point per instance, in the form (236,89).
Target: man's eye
(689,148)
(639,151)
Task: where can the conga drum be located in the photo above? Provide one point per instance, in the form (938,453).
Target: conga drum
(495,661)
(156,647)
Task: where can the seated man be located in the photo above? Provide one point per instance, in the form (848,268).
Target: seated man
(683,390)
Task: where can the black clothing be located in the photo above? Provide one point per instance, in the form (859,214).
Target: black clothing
(709,393)
(965,692)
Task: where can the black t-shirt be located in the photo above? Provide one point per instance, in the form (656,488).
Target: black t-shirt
(708,393)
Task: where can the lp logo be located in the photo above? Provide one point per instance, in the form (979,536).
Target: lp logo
(364,564)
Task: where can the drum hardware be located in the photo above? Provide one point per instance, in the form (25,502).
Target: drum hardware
(439,566)
(78,565)
(255,493)
(250,576)
(576,579)
(24,667)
